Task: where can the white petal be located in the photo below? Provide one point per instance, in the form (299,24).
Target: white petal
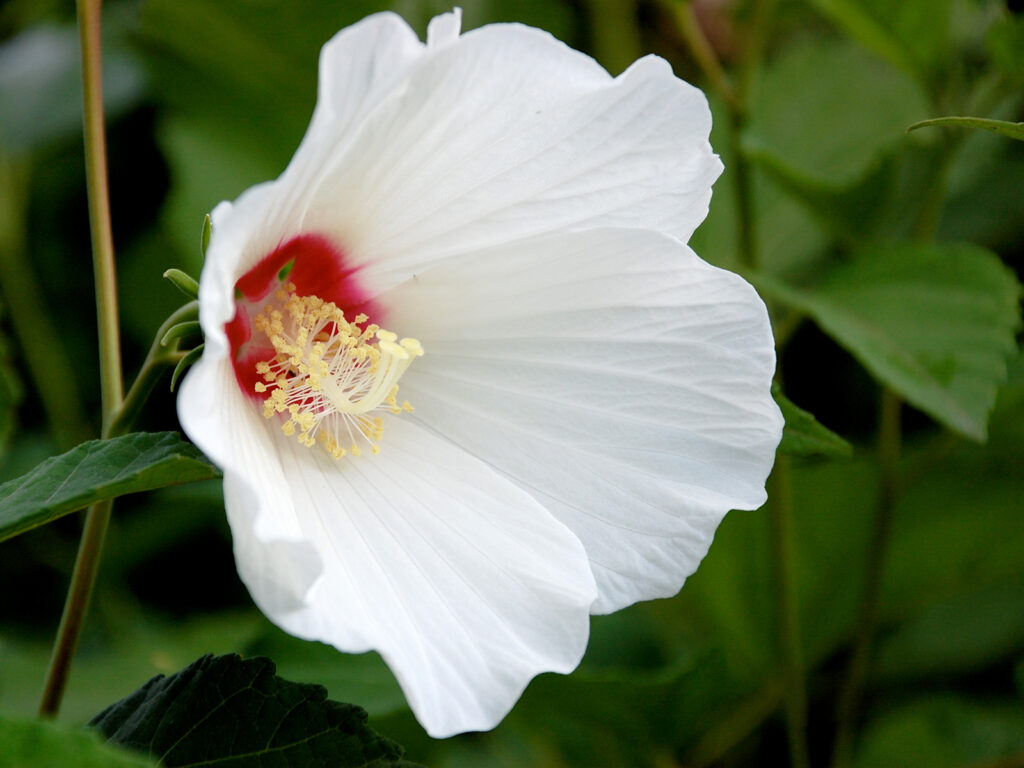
(416,152)
(444,29)
(273,558)
(506,133)
(612,374)
(466,586)
(361,65)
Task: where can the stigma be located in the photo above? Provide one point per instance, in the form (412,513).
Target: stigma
(331,379)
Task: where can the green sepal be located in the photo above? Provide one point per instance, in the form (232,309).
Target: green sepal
(180,330)
(1003,127)
(183,282)
(184,363)
(204,240)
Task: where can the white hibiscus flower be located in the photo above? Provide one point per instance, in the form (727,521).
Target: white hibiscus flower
(590,398)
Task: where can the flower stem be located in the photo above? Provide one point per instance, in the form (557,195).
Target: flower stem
(780,506)
(158,359)
(702,51)
(87,563)
(848,709)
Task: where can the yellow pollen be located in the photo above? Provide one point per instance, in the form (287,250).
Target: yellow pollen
(330,377)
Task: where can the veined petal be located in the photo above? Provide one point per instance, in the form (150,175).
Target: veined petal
(506,133)
(466,586)
(417,152)
(273,557)
(616,377)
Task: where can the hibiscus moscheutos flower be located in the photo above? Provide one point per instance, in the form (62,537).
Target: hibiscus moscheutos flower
(465,380)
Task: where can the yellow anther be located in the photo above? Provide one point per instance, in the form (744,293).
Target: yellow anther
(330,377)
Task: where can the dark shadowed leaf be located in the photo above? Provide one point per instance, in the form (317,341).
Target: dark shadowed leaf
(944,731)
(934,323)
(96,470)
(224,710)
(38,744)
(976,628)
(804,435)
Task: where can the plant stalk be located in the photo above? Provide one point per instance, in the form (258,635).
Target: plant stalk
(780,505)
(852,691)
(91,547)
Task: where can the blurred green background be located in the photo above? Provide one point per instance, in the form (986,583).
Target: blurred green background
(207,97)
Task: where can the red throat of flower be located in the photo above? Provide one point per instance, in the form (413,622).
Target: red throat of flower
(303,344)
(316,268)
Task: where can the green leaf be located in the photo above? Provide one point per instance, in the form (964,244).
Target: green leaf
(968,632)
(1005,42)
(820,127)
(945,732)
(934,323)
(804,435)
(224,710)
(96,470)
(850,211)
(360,677)
(912,35)
(123,644)
(42,744)
(1003,127)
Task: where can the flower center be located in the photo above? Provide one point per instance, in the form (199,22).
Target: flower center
(330,376)
(325,377)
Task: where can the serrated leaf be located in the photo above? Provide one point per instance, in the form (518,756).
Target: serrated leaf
(1002,127)
(224,710)
(97,470)
(804,435)
(934,323)
(41,744)
(361,677)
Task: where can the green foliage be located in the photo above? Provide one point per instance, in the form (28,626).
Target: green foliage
(837,188)
(934,323)
(1003,127)
(830,129)
(352,677)
(38,744)
(224,710)
(804,435)
(946,731)
(97,470)
(913,34)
